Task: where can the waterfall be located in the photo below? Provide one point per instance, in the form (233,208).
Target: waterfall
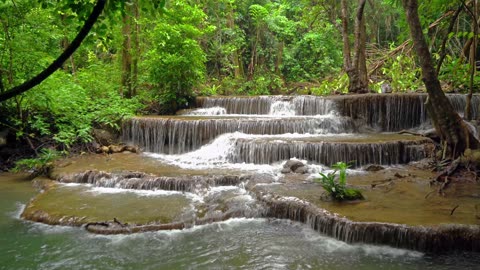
(180,135)
(267,151)
(437,239)
(143,181)
(235,146)
(282,108)
(208,111)
(385,112)
(240,105)
(313,105)
(301,105)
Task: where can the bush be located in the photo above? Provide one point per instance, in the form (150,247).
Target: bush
(41,165)
(176,62)
(336,188)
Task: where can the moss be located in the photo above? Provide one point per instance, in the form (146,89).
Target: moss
(352,194)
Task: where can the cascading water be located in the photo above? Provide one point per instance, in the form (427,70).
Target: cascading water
(282,108)
(180,135)
(249,141)
(330,150)
(208,111)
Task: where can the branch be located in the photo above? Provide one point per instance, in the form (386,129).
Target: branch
(17,90)
(443,53)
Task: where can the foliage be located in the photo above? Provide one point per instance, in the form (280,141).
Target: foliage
(190,47)
(336,186)
(315,55)
(41,165)
(328,86)
(453,73)
(51,113)
(176,60)
(261,84)
(402,73)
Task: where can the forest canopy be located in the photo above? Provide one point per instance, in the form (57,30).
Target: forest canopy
(156,56)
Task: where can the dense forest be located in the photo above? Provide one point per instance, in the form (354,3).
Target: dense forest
(155,57)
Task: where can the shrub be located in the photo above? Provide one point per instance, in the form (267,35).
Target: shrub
(41,165)
(336,188)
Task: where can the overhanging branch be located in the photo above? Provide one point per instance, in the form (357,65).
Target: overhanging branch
(87,26)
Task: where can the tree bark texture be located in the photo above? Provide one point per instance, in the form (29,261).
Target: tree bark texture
(472,58)
(127,52)
(356,70)
(136,47)
(57,63)
(446,120)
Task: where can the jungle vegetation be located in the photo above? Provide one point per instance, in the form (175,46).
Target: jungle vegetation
(115,59)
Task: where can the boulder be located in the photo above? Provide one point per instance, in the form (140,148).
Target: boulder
(293,165)
(374,168)
(104,137)
(302,170)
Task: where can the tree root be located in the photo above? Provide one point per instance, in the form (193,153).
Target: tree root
(445,175)
(453,210)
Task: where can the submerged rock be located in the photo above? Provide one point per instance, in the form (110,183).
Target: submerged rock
(105,137)
(374,168)
(295,166)
(302,170)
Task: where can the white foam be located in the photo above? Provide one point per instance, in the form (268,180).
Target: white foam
(208,111)
(332,245)
(215,155)
(139,192)
(282,108)
(19,208)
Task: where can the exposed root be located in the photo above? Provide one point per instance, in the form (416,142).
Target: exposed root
(453,210)
(448,171)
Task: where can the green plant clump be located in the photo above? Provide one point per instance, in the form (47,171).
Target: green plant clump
(337,188)
(41,165)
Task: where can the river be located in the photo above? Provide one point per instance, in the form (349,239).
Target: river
(234,244)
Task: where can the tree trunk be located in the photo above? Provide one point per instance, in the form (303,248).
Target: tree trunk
(473,57)
(136,47)
(279,59)
(2,87)
(356,71)
(447,122)
(238,69)
(87,26)
(360,60)
(127,52)
(347,60)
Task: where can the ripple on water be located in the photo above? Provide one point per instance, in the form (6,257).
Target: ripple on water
(233,244)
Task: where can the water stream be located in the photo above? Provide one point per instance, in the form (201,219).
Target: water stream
(234,244)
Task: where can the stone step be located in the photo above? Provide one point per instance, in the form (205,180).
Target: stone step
(386,112)
(357,150)
(180,134)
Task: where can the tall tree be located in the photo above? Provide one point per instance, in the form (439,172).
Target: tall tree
(127,76)
(357,68)
(446,120)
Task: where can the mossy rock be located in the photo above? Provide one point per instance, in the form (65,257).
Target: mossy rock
(352,195)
